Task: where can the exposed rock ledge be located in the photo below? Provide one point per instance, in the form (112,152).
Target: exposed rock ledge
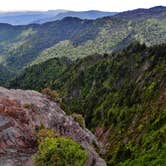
(18,124)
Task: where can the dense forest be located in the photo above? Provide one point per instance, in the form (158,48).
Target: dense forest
(121,96)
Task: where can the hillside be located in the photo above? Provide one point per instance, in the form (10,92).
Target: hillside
(40,76)
(75,38)
(122,97)
(5,74)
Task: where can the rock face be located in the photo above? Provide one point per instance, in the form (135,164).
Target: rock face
(21,113)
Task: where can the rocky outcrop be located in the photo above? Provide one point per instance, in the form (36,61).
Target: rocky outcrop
(21,113)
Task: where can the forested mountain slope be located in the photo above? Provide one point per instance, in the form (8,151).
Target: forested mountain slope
(122,97)
(76,38)
(41,75)
(5,74)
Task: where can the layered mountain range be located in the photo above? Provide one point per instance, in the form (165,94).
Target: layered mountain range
(75,38)
(111,71)
(38,17)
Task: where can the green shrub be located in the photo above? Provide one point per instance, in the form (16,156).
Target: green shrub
(52,94)
(79,118)
(150,89)
(60,152)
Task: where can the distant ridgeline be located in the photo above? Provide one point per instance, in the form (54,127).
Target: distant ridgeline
(21,46)
(40,17)
(122,97)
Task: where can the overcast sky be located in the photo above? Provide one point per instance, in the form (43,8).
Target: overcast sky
(78,5)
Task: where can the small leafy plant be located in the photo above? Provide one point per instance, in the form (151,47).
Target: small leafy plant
(60,151)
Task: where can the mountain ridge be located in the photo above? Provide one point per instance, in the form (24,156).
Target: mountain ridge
(89,15)
(39,17)
(21,46)
(122,97)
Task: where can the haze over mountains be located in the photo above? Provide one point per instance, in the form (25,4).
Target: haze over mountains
(29,17)
(40,17)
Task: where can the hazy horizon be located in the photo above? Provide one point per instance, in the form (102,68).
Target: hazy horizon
(73,10)
(76,5)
